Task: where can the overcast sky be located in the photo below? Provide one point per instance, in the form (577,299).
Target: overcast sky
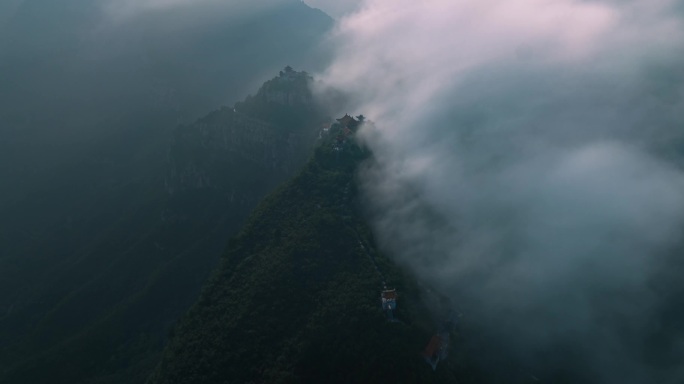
(336,9)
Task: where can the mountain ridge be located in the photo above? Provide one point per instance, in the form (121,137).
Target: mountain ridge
(114,297)
(296,297)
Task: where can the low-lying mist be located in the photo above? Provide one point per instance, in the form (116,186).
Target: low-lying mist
(529,164)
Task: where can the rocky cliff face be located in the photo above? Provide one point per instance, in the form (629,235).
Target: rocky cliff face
(289,89)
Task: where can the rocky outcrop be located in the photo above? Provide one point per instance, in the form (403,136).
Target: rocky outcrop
(249,146)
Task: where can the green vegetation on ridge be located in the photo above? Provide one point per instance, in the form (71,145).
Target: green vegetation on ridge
(296,297)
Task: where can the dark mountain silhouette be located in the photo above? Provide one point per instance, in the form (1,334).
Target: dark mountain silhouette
(78,80)
(111,220)
(106,259)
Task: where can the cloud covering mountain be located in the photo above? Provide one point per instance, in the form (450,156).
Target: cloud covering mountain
(529,162)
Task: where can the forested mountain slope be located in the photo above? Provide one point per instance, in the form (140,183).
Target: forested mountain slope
(92,300)
(296,297)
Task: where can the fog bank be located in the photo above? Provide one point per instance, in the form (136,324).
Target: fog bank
(528,162)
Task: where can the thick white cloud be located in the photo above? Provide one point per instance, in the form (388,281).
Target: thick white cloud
(529,163)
